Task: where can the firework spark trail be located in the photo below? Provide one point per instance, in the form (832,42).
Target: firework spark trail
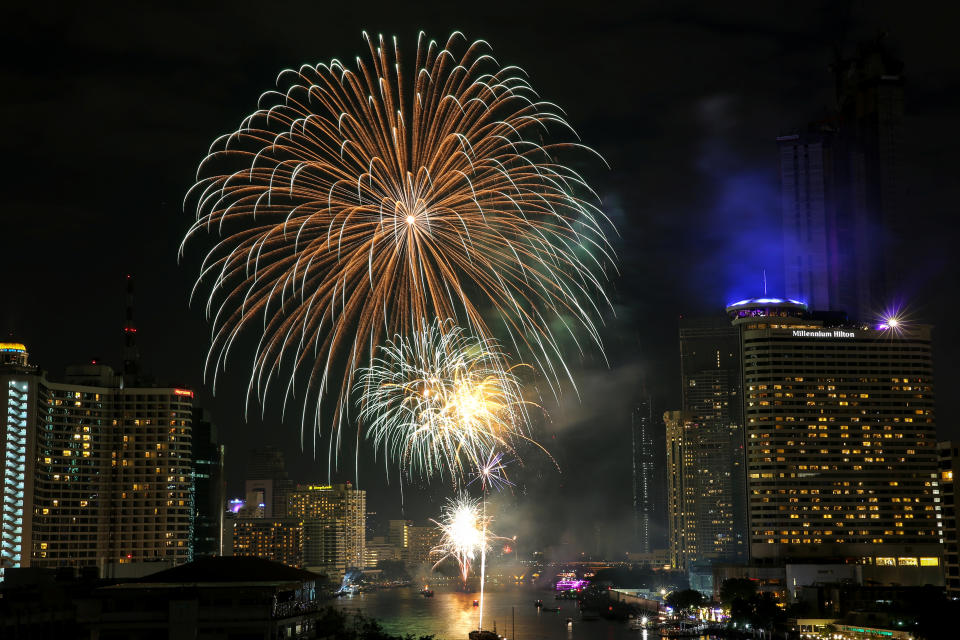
(492,473)
(465,526)
(463,532)
(357,201)
(437,401)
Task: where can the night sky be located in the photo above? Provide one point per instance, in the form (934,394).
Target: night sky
(108,110)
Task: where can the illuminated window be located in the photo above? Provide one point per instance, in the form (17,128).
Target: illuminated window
(929,562)
(907,562)
(886,562)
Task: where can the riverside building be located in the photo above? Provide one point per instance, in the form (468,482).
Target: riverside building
(840,440)
(96,473)
(949,457)
(711,394)
(647,445)
(681,491)
(276,539)
(335,517)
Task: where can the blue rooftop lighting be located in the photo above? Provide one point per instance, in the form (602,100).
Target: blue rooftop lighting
(753,301)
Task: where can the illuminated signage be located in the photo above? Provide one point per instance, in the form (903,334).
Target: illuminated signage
(823,333)
(183,392)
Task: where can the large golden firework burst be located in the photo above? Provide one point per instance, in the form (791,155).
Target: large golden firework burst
(357,201)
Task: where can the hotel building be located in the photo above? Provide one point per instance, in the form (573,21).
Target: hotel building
(277,539)
(337,511)
(413,543)
(95,472)
(949,463)
(840,439)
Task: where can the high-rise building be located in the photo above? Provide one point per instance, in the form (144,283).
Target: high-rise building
(150,513)
(421,540)
(839,190)
(379,550)
(681,491)
(414,543)
(649,510)
(210,487)
(870,106)
(266,462)
(817,255)
(101,472)
(342,508)
(398,533)
(696,532)
(277,539)
(710,391)
(267,487)
(949,467)
(17,452)
(324,546)
(840,437)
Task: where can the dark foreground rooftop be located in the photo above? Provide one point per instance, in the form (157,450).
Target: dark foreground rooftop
(230,569)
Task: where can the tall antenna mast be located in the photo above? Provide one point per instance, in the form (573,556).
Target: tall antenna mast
(764,283)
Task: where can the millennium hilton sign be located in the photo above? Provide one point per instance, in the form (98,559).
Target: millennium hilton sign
(833,333)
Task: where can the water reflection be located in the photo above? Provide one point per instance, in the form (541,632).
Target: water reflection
(450,615)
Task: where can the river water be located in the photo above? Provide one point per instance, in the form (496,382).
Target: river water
(450,615)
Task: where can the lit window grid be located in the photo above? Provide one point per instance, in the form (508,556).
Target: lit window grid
(280,540)
(840,440)
(348,506)
(112,480)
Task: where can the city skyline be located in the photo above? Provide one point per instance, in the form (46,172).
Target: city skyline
(729,155)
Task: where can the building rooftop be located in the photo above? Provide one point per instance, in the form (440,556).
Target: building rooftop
(223,569)
(751,302)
